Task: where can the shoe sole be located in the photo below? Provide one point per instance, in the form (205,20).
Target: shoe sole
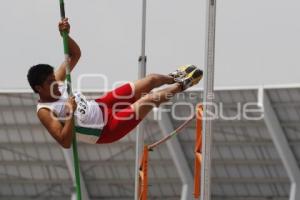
(194,78)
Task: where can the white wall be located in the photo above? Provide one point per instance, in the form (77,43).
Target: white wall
(257,40)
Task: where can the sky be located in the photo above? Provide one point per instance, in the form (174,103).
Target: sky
(257,41)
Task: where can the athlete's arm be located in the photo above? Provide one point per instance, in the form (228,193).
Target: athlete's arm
(74,51)
(61,133)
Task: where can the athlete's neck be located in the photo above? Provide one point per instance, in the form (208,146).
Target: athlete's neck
(48,99)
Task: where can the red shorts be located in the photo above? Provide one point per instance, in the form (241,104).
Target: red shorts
(119,116)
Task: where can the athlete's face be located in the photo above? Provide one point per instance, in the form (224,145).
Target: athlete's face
(49,88)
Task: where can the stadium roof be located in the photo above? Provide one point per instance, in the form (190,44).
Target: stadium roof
(246,163)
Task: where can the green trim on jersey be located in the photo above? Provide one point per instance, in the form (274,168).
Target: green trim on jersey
(88,131)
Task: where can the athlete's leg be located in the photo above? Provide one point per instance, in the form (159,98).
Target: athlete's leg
(131,92)
(145,104)
(121,122)
(151,81)
(128,93)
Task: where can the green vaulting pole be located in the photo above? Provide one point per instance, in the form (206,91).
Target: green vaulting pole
(70,93)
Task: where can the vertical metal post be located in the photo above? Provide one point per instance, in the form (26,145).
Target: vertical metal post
(69,161)
(141,74)
(208,99)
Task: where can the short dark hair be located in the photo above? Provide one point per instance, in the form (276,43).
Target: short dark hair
(37,75)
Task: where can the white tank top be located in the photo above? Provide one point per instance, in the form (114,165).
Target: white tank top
(88,115)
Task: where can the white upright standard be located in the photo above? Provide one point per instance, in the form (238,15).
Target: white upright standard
(139,131)
(207,100)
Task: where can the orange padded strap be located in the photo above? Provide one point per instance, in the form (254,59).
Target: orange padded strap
(143,179)
(198,155)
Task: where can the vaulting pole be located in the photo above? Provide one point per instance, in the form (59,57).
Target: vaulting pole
(70,93)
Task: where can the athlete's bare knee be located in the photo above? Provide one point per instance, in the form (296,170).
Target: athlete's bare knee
(153,77)
(153,99)
(143,106)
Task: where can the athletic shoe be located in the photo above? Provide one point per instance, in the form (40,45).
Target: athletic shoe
(190,79)
(182,71)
